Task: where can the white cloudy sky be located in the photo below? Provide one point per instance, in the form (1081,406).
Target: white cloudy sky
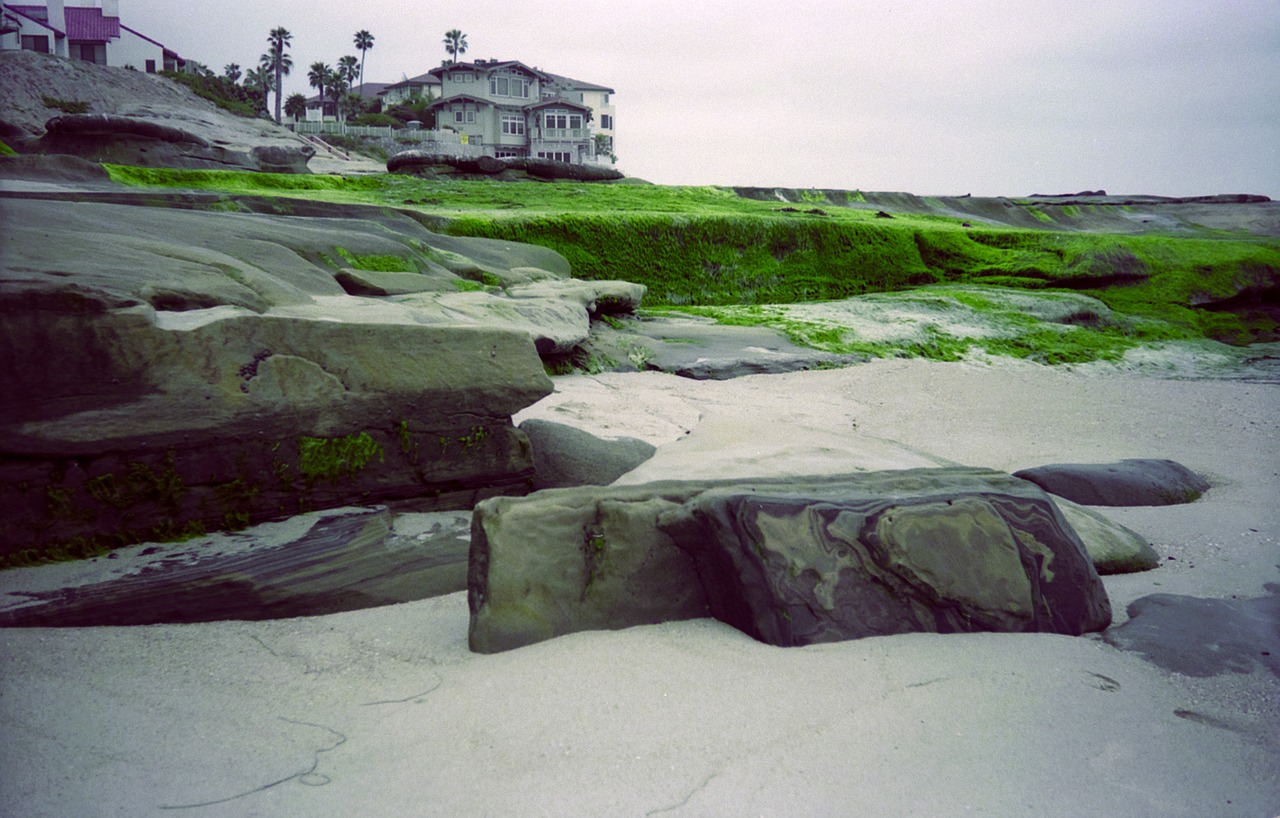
(990,97)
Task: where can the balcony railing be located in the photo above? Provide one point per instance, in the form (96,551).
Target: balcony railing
(564,133)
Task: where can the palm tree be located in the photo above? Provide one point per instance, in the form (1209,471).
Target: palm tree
(337,85)
(258,80)
(281,63)
(364,42)
(232,72)
(318,76)
(349,69)
(455,42)
(295,106)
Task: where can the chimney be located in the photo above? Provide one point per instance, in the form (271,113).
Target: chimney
(57,16)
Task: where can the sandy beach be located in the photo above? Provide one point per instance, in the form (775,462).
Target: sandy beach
(385,711)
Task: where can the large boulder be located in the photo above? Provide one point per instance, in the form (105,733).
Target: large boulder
(1113,548)
(172,370)
(577,559)
(945,551)
(790,561)
(1132,482)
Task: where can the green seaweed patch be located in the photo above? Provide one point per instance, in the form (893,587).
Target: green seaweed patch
(377,263)
(329,458)
(5,150)
(1078,337)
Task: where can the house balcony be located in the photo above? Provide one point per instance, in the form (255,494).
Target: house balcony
(561,134)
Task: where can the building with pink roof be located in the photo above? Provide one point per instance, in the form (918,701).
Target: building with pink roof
(88,30)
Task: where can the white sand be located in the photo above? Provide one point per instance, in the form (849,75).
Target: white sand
(385,712)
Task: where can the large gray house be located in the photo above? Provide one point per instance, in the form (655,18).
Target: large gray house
(508,109)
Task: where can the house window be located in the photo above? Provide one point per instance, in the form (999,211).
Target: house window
(606,121)
(35,42)
(556,156)
(555,120)
(89,52)
(461,77)
(513,125)
(460,116)
(151,66)
(508,153)
(509,87)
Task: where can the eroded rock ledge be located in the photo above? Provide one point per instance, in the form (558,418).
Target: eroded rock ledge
(172,371)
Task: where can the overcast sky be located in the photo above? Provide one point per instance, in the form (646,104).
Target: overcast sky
(989,97)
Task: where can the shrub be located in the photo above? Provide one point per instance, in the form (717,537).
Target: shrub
(222,92)
(375,121)
(67,106)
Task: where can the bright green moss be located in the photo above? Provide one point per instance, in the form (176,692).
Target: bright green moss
(376,263)
(710,246)
(333,457)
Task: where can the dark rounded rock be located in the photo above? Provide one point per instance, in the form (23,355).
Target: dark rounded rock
(565,456)
(1133,482)
(110,124)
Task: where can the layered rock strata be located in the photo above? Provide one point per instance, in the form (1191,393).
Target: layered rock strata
(790,561)
(176,370)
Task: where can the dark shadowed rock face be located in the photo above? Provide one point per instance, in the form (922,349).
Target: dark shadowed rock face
(1135,482)
(435,165)
(565,456)
(790,561)
(945,551)
(136,141)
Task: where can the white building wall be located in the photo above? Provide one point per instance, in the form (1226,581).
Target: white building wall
(30,28)
(132,50)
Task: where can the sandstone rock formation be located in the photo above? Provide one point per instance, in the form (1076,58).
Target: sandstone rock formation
(132,140)
(179,369)
(790,561)
(133,118)
(891,552)
(1132,482)
(313,564)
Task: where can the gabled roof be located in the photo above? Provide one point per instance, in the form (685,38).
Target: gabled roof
(421,79)
(460,98)
(371,91)
(557,102)
(88,24)
(485,66)
(36,14)
(137,33)
(577,85)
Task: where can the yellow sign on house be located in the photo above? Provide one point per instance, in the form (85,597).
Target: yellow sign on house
(466,137)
